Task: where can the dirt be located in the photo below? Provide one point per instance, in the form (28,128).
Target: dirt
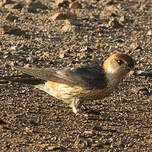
(33,35)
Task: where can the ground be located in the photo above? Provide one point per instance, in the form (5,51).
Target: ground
(30,35)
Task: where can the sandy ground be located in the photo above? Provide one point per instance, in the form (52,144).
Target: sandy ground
(30,35)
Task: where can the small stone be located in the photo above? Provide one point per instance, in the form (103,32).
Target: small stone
(81,142)
(12,31)
(101,145)
(149,33)
(29,1)
(11,17)
(75,5)
(62,3)
(4,2)
(69,27)
(18,6)
(55,148)
(105,14)
(89,132)
(108,11)
(72,1)
(134,46)
(97,128)
(122,19)
(13,48)
(63,16)
(2,124)
(144,73)
(36,6)
(63,53)
(4,29)
(27,129)
(115,23)
(27,66)
(86,49)
(29,59)
(132,72)
(51,147)
(143,91)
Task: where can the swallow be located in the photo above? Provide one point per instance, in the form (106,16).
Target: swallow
(76,85)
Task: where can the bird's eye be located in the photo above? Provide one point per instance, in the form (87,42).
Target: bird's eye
(120,62)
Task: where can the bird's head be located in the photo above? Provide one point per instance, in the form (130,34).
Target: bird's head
(118,65)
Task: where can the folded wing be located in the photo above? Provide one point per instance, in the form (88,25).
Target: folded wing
(89,76)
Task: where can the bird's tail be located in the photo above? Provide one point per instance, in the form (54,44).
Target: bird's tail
(20,79)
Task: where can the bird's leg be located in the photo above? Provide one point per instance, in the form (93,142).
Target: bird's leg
(75,105)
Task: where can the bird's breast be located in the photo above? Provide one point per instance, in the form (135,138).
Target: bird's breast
(68,93)
(61,91)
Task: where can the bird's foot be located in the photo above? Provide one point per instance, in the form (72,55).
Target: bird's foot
(76,107)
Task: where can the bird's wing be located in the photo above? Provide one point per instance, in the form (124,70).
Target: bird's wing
(89,76)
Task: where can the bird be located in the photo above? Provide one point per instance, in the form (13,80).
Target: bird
(79,84)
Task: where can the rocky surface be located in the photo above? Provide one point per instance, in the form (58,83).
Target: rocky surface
(66,33)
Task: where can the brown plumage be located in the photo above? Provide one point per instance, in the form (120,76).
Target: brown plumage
(76,85)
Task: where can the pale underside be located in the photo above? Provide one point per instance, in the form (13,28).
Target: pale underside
(67,93)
